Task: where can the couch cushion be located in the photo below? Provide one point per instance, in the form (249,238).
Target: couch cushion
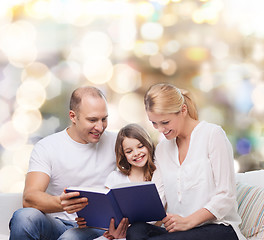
(250,208)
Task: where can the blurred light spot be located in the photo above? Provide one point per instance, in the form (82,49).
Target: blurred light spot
(242,99)
(22,52)
(9,176)
(212,114)
(31,95)
(151,31)
(10,83)
(145,9)
(196,54)
(243,146)
(205,81)
(48,126)
(258,97)
(147,48)
(68,71)
(36,72)
(171,47)
(258,52)
(236,166)
(10,138)
(156,60)
(6,13)
(220,50)
(131,108)
(168,20)
(38,9)
(113,117)
(4,111)
(96,44)
(54,88)
(168,67)
(21,157)
(26,121)
(125,79)
(98,70)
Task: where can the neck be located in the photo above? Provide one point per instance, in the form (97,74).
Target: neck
(136,174)
(189,125)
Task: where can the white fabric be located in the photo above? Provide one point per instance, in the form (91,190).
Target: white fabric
(69,163)
(115,178)
(204,180)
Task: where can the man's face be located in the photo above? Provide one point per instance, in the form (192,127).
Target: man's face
(90,121)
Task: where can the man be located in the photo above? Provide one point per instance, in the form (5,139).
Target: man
(81,155)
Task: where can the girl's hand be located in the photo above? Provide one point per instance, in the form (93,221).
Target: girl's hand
(174,222)
(81,222)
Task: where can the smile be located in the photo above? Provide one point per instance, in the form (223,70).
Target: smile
(139,158)
(166,133)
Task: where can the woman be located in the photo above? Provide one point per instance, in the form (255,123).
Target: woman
(195,169)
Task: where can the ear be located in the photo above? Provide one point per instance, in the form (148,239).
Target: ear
(72,116)
(184,109)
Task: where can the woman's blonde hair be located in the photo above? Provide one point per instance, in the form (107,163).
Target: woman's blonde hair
(165,98)
(137,132)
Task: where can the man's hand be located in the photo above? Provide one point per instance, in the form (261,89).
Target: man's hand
(174,222)
(70,204)
(119,232)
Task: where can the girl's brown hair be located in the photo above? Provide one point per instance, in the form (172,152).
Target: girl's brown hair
(164,98)
(137,132)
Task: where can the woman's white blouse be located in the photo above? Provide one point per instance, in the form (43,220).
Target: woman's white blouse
(205,179)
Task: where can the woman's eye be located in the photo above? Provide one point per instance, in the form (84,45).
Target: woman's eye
(164,123)
(141,146)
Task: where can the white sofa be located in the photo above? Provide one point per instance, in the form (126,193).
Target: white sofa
(250,197)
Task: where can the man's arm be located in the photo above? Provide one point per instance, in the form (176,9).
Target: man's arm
(35,196)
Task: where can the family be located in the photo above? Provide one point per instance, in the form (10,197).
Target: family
(192,167)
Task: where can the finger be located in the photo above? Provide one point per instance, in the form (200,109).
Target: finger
(112,225)
(79,219)
(66,196)
(74,208)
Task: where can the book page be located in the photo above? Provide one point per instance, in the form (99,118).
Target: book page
(89,189)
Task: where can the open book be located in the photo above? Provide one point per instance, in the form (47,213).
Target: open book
(139,202)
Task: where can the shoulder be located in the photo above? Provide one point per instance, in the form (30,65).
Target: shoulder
(210,128)
(108,136)
(50,139)
(115,178)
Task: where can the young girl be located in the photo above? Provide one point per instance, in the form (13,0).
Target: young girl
(135,162)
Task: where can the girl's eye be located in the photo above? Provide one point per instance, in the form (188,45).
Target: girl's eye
(128,151)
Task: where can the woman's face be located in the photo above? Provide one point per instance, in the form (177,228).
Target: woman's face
(169,124)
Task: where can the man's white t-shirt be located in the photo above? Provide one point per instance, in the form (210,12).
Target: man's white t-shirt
(204,180)
(69,163)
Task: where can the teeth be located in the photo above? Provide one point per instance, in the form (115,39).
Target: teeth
(166,132)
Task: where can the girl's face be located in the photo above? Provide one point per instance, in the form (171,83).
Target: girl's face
(170,125)
(136,153)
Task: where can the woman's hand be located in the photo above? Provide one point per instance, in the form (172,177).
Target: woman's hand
(81,222)
(70,204)
(174,222)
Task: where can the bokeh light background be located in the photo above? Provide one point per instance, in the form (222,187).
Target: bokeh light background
(50,47)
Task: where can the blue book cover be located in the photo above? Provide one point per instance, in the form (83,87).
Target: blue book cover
(139,202)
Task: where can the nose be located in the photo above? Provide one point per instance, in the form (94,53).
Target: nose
(136,152)
(160,128)
(99,126)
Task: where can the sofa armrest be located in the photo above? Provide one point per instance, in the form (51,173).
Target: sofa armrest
(9,203)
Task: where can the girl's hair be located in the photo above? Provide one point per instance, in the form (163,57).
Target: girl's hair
(165,98)
(137,132)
